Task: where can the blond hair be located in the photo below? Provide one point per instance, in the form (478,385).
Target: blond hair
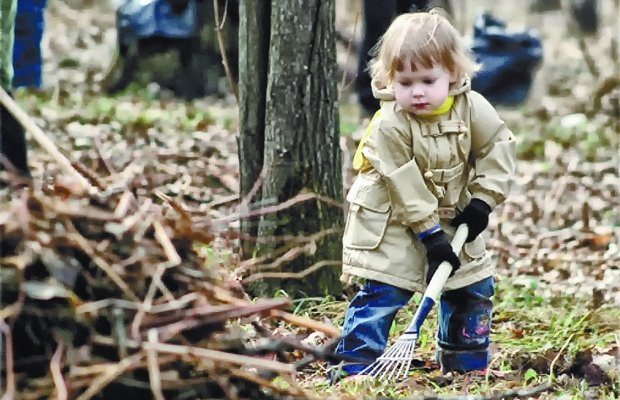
(425,38)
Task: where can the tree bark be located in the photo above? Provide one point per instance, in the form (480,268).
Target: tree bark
(254,31)
(301,151)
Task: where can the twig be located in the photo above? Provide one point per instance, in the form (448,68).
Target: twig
(220,42)
(123,205)
(304,322)
(285,238)
(101,263)
(9,394)
(344,72)
(94,306)
(113,372)
(162,238)
(289,255)
(279,207)
(245,201)
(553,197)
(267,384)
(576,31)
(148,299)
(291,275)
(153,367)
(59,382)
(133,219)
(84,211)
(91,176)
(307,323)
(220,356)
(99,148)
(44,141)
(173,260)
(197,317)
(84,372)
(603,88)
(557,356)
(223,201)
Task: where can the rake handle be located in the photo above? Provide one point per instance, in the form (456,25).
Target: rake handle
(435,287)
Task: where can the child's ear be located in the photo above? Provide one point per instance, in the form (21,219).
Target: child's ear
(454,77)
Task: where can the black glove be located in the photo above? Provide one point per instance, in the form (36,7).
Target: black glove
(476,216)
(438,250)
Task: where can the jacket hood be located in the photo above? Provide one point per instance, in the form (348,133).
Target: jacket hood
(385,93)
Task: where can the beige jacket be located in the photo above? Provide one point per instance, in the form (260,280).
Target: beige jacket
(419,171)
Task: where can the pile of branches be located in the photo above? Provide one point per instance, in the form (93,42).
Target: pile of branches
(105,295)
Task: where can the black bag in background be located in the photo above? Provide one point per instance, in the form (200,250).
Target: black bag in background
(509,61)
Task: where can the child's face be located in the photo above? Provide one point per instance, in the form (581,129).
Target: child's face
(421,91)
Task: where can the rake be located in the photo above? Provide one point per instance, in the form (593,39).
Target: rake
(396,360)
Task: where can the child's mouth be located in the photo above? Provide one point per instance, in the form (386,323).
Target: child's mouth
(420,106)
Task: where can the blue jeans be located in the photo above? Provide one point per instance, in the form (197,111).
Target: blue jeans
(29,26)
(462,337)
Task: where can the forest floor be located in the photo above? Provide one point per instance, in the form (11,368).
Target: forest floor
(555,241)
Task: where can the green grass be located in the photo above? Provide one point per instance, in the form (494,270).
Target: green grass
(531,333)
(349,118)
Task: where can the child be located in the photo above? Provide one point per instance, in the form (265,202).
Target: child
(436,155)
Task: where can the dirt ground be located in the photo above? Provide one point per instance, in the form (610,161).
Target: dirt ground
(560,225)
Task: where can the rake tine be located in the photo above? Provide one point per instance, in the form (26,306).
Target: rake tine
(369,370)
(404,368)
(389,371)
(381,367)
(395,363)
(385,361)
(395,357)
(405,371)
(378,365)
(406,362)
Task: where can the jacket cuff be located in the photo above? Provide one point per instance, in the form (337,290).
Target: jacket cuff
(426,224)
(486,198)
(429,232)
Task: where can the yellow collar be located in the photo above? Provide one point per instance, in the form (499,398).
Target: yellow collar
(444,108)
(360,162)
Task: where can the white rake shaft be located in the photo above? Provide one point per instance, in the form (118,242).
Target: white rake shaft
(396,360)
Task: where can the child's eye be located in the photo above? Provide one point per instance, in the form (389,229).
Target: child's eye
(429,81)
(404,83)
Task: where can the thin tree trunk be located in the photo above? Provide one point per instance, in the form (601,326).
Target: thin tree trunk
(254,31)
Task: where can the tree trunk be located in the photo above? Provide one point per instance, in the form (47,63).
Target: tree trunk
(300,146)
(254,31)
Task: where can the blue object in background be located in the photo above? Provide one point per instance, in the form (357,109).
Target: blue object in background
(27,61)
(146,18)
(509,61)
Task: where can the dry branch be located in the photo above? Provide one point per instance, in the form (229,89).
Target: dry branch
(44,141)
(123,278)
(220,42)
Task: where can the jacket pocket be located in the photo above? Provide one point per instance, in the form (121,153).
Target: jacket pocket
(368,216)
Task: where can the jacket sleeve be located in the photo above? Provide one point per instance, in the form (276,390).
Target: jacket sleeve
(389,150)
(493,147)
